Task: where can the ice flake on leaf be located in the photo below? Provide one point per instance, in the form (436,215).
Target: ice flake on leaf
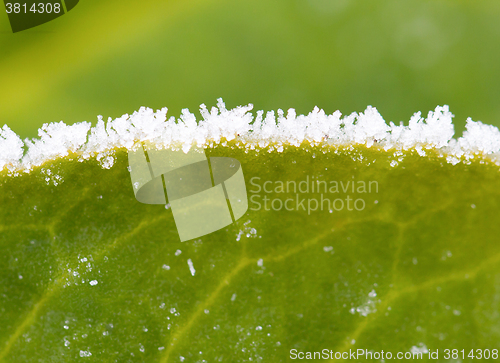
(85,353)
(480,137)
(419,348)
(106,159)
(56,140)
(270,131)
(369,307)
(11,147)
(370,126)
(191,267)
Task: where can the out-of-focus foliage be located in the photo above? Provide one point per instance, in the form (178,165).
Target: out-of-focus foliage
(110,57)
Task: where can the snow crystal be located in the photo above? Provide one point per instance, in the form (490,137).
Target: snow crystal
(368,307)
(191,267)
(480,137)
(85,353)
(11,148)
(421,348)
(270,130)
(56,140)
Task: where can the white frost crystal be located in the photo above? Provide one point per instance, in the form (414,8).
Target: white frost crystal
(85,353)
(253,131)
(420,348)
(369,307)
(11,148)
(191,267)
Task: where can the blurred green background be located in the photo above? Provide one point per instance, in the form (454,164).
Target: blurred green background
(110,57)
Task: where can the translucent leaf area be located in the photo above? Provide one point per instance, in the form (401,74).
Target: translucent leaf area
(87,273)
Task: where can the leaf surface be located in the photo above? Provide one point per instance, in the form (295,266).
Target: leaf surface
(87,272)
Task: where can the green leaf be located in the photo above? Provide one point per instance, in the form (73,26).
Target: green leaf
(110,57)
(87,272)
